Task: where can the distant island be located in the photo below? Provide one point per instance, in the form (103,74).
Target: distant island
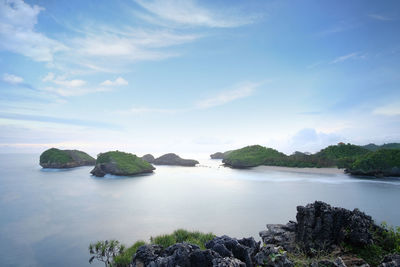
(61,159)
(120,163)
(369,160)
(175,160)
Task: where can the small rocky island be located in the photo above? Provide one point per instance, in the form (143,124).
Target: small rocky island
(60,159)
(175,160)
(322,236)
(149,158)
(121,164)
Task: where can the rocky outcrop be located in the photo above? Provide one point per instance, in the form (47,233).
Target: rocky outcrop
(391,261)
(60,159)
(148,157)
(322,227)
(173,159)
(121,164)
(244,249)
(280,235)
(183,255)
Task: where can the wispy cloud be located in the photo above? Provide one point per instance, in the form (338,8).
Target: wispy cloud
(392,109)
(73,87)
(50,119)
(380,17)
(67,92)
(11,78)
(143,110)
(340,26)
(225,97)
(18,34)
(189,13)
(62,81)
(355,55)
(117,82)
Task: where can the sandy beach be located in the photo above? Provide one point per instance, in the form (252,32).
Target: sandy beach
(301,170)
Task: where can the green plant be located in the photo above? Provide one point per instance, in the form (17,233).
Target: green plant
(105,251)
(124,258)
(386,241)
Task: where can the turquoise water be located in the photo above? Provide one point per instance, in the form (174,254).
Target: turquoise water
(48,218)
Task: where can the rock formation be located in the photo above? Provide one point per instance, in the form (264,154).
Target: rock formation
(148,157)
(173,159)
(60,159)
(120,163)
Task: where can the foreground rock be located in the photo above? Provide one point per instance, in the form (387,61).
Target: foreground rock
(173,159)
(148,157)
(317,239)
(60,159)
(183,255)
(321,227)
(120,163)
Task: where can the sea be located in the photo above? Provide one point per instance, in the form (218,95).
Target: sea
(49,217)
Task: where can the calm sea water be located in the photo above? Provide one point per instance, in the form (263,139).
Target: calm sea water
(48,218)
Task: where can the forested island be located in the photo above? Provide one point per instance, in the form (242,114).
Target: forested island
(60,159)
(369,160)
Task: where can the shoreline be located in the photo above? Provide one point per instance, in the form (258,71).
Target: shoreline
(332,170)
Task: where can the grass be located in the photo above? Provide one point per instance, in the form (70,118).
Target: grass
(385,242)
(166,240)
(126,162)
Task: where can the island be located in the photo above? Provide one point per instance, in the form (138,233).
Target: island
(121,164)
(148,157)
(220,155)
(381,163)
(322,235)
(370,160)
(175,160)
(60,159)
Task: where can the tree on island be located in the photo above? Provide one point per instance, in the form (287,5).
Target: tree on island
(105,251)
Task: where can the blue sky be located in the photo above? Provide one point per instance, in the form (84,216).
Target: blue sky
(198,76)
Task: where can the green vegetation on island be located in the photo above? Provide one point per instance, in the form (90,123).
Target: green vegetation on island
(57,158)
(383,162)
(374,147)
(120,163)
(355,159)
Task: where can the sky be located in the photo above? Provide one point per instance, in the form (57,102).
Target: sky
(190,76)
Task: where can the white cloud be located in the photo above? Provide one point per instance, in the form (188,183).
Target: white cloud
(228,96)
(388,110)
(309,140)
(66,92)
(118,82)
(13,79)
(18,34)
(62,81)
(380,17)
(355,55)
(188,12)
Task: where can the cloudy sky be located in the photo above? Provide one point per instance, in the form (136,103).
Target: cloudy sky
(198,76)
